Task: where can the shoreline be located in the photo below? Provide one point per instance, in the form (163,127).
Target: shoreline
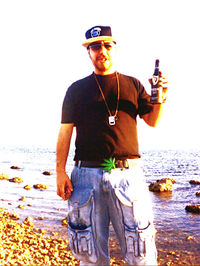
(178,238)
(45,246)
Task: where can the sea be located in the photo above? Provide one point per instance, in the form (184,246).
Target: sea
(172,222)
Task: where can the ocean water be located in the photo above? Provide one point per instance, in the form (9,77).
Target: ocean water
(171,220)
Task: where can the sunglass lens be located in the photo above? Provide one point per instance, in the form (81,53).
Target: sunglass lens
(95,46)
(108,45)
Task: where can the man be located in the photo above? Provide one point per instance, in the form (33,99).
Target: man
(107,182)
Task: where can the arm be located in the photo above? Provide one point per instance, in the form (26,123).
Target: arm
(153,118)
(64,185)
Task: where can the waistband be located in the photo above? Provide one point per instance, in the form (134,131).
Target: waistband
(118,163)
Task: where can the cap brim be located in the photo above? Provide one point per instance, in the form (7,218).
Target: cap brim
(96,39)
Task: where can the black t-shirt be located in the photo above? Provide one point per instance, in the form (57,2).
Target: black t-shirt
(84,106)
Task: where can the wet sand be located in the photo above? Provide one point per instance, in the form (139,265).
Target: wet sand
(24,244)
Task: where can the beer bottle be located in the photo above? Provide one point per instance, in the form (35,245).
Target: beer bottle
(156,91)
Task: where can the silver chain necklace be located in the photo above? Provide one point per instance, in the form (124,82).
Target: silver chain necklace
(111,118)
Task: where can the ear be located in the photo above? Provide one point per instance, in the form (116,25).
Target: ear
(89,53)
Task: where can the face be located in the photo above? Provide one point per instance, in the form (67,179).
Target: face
(102,55)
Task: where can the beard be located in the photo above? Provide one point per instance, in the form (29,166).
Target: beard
(102,63)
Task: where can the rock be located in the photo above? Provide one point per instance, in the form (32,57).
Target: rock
(28,221)
(14,216)
(194,182)
(4,177)
(27,187)
(41,186)
(21,207)
(64,222)
(22,245)
(46,173)
(42,231)
(16,180)
(162,185)
(198,193)
(15,167)
(165,179)
(172,253)
(193,208)
(22,199)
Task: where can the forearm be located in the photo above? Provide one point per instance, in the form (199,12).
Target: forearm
(63,146)
(64,185)
(153,118)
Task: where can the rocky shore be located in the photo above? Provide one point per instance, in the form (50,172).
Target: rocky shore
(23,244)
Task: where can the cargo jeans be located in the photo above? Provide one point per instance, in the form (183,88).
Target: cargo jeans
(120,197)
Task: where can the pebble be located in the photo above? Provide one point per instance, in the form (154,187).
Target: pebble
(40,186)
(29,221)
(14,216)
(27,187)
(22,199)
(64,222)
(194,182)
(15,167)
(4,177)
(16,180)
(21,207)
(46,173)
(193,208)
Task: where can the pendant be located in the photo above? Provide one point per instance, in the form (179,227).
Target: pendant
(111,120)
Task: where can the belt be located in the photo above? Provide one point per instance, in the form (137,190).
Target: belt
(118,163)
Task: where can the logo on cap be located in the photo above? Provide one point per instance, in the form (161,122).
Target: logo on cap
(95,32)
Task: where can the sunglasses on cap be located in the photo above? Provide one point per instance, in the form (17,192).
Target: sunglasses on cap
(97,46)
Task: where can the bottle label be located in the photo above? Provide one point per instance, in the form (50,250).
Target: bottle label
(155,80)
(156,95)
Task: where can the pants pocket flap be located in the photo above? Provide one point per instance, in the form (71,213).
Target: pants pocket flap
(80,197)
(123,197)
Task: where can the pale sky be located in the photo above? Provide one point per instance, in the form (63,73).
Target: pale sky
(41,55)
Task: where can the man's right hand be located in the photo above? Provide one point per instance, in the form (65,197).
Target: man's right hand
(64,185)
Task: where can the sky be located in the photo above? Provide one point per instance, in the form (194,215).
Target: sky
(41,55)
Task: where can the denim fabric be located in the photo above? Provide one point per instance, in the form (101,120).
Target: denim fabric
(120,197)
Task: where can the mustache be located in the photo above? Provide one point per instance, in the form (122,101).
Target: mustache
(102,57)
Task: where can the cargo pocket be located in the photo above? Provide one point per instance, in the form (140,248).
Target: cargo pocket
(146,241)
(139,241)
(80,225)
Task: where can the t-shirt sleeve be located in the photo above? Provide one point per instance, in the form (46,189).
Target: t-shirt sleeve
(68,108)
(144,101)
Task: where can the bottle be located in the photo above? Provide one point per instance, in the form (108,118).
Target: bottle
(156,91)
